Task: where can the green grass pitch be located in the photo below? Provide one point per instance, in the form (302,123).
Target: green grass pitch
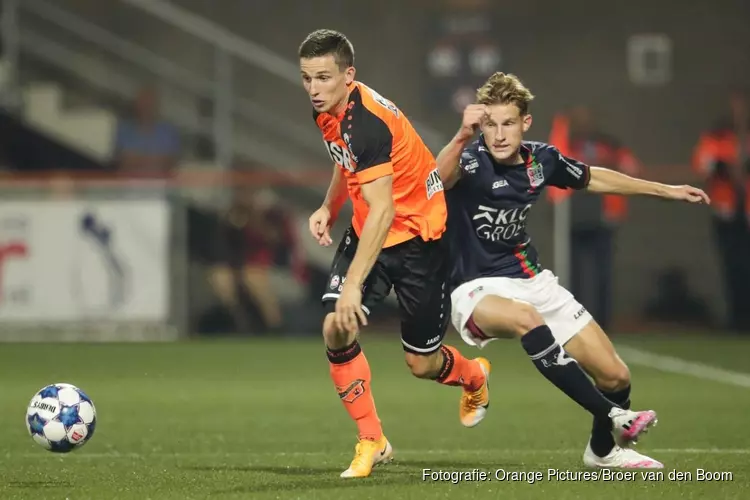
(260,419)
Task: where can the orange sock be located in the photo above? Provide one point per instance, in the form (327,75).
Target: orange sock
(351,375)
(458,370)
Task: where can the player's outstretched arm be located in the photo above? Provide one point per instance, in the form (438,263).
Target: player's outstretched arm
(604,180)
(448,159)
(379,197)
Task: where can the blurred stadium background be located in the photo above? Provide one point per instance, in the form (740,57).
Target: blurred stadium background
(158,161)
(208,210)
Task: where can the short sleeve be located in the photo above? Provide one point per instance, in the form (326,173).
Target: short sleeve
(468,163)
(567,172)
(371,143)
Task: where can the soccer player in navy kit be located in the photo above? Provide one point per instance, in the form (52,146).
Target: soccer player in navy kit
(498,287)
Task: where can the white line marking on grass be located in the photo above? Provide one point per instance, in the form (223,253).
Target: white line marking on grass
(683,367)
(399,452)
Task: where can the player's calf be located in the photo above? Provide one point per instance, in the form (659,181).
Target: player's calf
(350,372)
(595,353)
(448,366)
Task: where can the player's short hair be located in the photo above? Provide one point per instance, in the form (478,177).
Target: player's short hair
(328,42)
(505,89)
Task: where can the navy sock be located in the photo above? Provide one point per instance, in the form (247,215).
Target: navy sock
(602,441)
(563,371)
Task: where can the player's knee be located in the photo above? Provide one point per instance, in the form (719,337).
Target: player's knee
(333,336)
(525,319)
(423,366)
(615,377)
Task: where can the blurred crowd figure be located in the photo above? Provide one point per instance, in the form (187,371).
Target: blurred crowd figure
(254,237)
(144,143)
(594,218)
(722,158)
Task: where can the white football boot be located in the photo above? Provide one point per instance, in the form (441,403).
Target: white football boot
(627,426)
(619,458)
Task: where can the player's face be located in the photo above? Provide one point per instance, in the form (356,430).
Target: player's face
(503,131)
(325,82)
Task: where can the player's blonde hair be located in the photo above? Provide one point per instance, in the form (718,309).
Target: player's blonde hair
(505,89)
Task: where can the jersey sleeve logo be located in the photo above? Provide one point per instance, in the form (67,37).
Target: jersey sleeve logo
(468,162)
(433,184)
(383,102)
(573,170)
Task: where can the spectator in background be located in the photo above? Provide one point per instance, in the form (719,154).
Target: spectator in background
(144,144)
(722,158)
(258,235)
(594,218)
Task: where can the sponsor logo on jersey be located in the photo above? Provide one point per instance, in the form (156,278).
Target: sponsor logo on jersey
(501,224)
(433,184)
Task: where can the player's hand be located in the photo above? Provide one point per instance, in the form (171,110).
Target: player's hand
(320,225)
(688,193)
(474,114)
(349,314)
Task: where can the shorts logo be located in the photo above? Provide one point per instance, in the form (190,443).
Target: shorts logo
(579,313)
(350,393)
(337,284)
(475,291)
(433,340)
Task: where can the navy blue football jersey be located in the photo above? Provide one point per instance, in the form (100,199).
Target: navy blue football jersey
(489,205)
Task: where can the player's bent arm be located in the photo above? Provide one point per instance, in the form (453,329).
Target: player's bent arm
(379,196)
(337,194)
(604,180)
(448,160)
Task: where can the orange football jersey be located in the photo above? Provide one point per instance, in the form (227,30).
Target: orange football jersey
(372,138)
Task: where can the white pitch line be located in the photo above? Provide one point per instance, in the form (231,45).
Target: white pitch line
(683,367)
(409,452)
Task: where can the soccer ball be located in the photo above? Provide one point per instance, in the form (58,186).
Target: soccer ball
(61,418)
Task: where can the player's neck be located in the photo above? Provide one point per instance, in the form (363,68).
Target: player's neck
(340,107)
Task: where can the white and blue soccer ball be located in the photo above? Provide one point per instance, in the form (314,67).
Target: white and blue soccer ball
(61,418)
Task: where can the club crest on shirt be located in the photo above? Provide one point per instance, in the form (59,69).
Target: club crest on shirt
(536,174)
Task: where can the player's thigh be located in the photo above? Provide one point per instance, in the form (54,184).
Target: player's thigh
(420,272)
(497,316)
(485,309)
(561,311)
(594,352)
